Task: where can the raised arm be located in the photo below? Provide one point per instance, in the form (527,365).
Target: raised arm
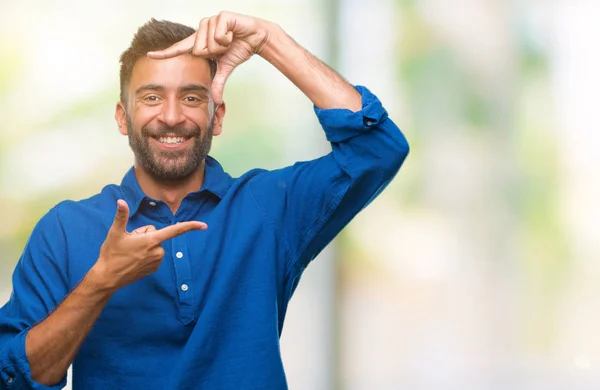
(308,203)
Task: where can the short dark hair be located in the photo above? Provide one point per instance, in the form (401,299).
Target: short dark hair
(154,35)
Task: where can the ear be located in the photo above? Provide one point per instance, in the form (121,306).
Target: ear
(219,115)
(121,118)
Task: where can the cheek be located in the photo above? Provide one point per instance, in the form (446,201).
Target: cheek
(198,116)
(143,116)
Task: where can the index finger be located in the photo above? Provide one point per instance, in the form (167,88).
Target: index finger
(181,47)
(177,230)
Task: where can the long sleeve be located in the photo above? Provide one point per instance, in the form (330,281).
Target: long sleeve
(39,285)
(309,203)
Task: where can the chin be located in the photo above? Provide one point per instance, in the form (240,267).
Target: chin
(171,173)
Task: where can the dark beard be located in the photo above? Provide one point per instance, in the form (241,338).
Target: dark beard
(167,165)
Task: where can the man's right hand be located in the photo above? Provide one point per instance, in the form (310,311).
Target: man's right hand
(124,258)
(127,257)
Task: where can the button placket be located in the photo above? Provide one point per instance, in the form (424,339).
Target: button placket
(183,278)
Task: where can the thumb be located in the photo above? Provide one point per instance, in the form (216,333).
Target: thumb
(218,84)
(119,225)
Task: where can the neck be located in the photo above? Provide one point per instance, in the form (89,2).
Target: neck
(170,192)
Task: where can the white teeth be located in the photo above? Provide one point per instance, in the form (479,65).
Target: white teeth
(171,140)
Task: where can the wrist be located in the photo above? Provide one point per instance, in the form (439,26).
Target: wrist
(99,279)
(275,40)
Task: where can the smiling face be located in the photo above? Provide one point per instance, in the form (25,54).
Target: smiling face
(169,116)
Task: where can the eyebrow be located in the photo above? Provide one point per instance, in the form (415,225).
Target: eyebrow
(193,88)
(159,88)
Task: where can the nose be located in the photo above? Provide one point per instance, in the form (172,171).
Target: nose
(172,113)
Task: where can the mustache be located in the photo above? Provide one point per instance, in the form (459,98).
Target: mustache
(176,131)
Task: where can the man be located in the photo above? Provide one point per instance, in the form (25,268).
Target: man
(180,277)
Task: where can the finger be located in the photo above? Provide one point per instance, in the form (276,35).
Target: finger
(144,229)
(139,230)
(158,253)
(119,225)
(178,229)
(181,47)
(200,45)
(213,46)
(223,35)
(218,83)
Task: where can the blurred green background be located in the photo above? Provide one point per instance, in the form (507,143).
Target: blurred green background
(477,268)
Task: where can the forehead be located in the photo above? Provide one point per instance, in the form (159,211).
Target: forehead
(171,73)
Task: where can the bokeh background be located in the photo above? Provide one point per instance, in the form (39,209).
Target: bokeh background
(478,267)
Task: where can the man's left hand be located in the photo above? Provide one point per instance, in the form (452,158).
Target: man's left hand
(228,37)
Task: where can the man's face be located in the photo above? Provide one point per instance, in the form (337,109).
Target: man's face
(169,115)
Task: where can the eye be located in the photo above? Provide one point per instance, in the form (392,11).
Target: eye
(151,99)
(191,99)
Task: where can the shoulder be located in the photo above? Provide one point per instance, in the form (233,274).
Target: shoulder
(241,183)
(68,212)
